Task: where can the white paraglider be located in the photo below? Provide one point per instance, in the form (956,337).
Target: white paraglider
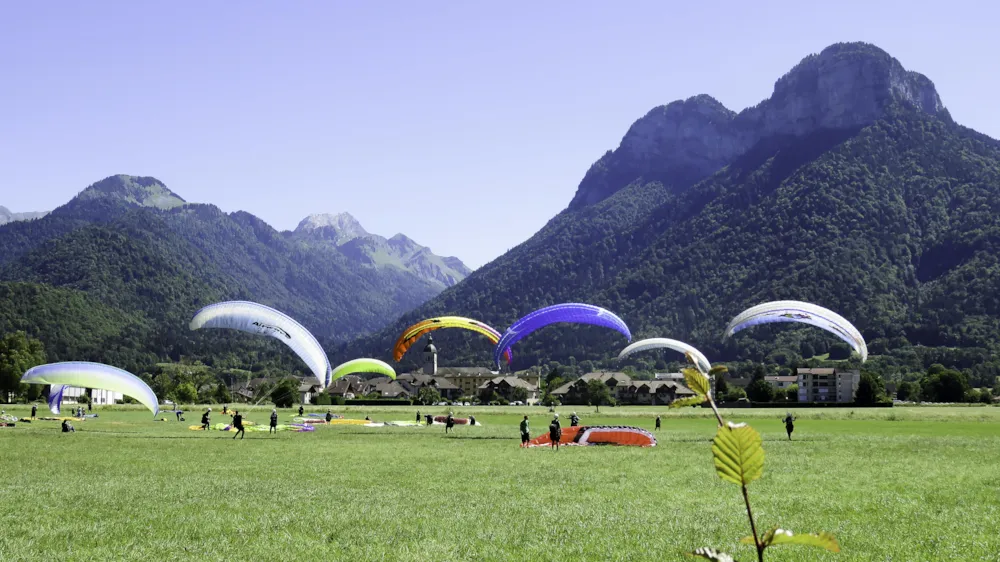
(692,354)
(804,312)
(259,319)
(90,375)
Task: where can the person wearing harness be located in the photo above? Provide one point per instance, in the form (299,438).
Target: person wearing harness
(238,424)
(555,432)
(525,432)
(274,422)
(657,422)
(789,424)
(574,420)
(300,410)
(449,422)
(206,419)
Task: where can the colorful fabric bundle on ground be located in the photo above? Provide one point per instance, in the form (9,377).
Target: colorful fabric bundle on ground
(599,435)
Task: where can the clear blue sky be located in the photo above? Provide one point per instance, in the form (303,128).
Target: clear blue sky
(422,117)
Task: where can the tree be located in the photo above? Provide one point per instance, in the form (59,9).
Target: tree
(18,353)
(840,351)
(943,385)
(871,390)
(908,390)
(807,350)
(760,391)
(759,372)
(428,395)
(519,394)
(792,393)
(285,393)
(721,386)
(598,392)
(734,394)
(185,393)
(222,395)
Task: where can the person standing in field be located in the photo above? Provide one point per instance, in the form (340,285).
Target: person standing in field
(525,432)
(418,416)
(225,409)
(238,424)
(789,424)
(34,410)
(555,432)
(274,422)
(574,420)
(329,416)
(449,422)
(206,419)
(300,410)
(657,422)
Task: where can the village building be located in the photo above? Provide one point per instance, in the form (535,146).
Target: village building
(781,382)
(827,385)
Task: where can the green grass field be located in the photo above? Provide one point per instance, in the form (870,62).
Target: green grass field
(895,484)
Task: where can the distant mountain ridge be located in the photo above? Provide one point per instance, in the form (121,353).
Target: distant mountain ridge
(345,233)
(850,186)
(146,255)
(6,215)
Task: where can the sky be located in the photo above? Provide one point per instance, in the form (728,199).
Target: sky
(418,117)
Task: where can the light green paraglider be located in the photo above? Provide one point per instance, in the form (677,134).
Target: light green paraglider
(363,365)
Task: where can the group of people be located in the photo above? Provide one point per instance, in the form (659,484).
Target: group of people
(206,421)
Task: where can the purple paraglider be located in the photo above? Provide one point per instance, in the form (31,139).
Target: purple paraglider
(575,313)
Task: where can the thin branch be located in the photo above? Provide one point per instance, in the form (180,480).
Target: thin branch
(753,527)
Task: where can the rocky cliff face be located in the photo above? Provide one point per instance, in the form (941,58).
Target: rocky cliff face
(352,240)
(339,228)
(847,85)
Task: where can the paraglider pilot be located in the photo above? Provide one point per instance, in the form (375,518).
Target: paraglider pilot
(418,416)
(525,432)
(574,420)
(238,424)
(449,422)
(67,428)
(555,432)
(657,422)
(329,416)
(34,410)
(206,419)
(789,424)
(300,410)
(274,421)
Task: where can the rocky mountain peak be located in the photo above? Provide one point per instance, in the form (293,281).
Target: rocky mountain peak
(845,86)
(339,228)
(134,190)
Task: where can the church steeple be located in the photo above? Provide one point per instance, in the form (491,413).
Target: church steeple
(430,357)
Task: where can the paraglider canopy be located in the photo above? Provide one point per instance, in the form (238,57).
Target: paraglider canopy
(692,354)
(256,318)
(803,312)
(410,335)
(575,313)
(91,375)
(363,365)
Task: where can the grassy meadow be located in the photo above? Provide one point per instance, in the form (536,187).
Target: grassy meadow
(898,484)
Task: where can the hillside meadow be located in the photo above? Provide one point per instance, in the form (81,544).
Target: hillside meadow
(914,483)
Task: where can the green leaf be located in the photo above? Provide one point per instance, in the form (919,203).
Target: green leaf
(696,381)
(783,536)
(712,554)
(739,456)
(689,401)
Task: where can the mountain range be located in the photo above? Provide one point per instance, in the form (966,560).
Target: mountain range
(116,273)
(850,186)
(6,215)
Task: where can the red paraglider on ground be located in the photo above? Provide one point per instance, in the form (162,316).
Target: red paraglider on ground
(599,435)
